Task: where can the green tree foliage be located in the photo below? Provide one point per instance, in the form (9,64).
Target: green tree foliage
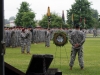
(11,18)
(25,17)
(55,21)
(95,18)
(99,21)
(6,21)
(95,13)
(82,14)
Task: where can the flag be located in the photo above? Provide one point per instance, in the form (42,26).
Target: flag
(48,14)
(63,17)
(72,17)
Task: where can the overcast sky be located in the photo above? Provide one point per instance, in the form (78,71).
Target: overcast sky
(40,6)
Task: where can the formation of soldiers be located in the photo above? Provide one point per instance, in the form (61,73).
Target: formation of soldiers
(12,35)
(18,36)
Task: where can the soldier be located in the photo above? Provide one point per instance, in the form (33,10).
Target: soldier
(35,34)
(23,40)
(13,38)
(77,39)
(47,38)
(94,32)
(28,40)
(70,31)
(84,31)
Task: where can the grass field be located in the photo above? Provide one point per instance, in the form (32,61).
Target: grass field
(61,59)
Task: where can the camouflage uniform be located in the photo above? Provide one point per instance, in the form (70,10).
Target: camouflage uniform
(94,32)
(13,38)
(77,37)
(23,41)
(28,40)
(47,39)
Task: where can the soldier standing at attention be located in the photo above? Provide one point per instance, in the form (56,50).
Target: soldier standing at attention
(13,37)
(23,40)
(28,40)
(47,38)
(77,38)
(94,32)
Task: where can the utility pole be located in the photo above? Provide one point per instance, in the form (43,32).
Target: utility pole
(2,70)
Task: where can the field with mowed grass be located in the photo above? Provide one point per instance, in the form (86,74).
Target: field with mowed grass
(61,59)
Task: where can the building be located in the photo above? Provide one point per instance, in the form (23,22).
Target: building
(12,23)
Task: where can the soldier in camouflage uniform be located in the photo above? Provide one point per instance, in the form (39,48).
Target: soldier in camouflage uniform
(23,41)
(94,32)
(77,38)
(47,38)
(13,38)
(28,40)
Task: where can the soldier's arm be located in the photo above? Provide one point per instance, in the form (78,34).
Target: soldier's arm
(70,40)
(83,40)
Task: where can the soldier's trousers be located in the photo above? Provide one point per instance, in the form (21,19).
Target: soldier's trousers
(23,47)
(28,44)
(80,57)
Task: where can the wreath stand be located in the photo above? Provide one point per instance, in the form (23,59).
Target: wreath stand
(60,38)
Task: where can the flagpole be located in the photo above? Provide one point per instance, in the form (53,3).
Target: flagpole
(63,19)
(48,24)
(61,25)
(84,22)
(72,19)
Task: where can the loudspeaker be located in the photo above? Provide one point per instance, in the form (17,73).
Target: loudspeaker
(39,64)
(10,70)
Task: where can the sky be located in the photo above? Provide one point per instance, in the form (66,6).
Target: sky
(40,7)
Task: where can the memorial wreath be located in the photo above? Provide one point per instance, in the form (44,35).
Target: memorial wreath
(60,38)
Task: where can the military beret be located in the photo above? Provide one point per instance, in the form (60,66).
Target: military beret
(23,29)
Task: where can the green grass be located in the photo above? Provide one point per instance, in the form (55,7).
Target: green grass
(61,59)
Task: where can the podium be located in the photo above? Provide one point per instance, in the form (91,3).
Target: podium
(39,64)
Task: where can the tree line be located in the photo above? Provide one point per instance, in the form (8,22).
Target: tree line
(80,12)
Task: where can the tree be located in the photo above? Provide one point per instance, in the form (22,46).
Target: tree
(27,19)
(82,14)
(6,21)
(11,18)
(55,21)
(95,18)
(25,16)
